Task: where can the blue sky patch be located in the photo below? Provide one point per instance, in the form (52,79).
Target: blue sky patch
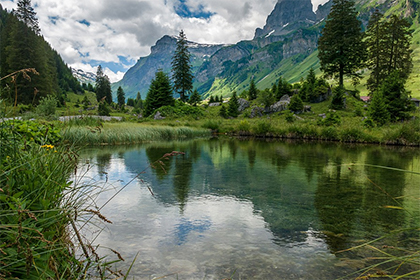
(121,66)
(184,11)
(54,19)
(85,22)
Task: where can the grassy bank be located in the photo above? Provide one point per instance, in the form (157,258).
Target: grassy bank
(127,133)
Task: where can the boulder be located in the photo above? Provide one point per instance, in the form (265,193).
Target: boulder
(243,104)
(158,116)
(278,107)
(214,104)
(256,112)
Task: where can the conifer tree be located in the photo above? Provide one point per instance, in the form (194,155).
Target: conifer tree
(341,49)
(233,106)
(378,111)
(160,93)
(103,86)
(138,102)
(283,88)
(120,97)
(195,98)
(252,93)
(26,14)
(181,68)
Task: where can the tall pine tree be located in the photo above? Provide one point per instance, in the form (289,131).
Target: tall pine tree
(253,92)
(26,14)
(103,86)
(160,93)
(341,49)
(120,97)
(181,68)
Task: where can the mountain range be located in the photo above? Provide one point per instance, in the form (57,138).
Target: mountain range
(285,47)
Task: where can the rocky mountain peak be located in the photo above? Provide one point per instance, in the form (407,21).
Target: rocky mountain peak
(288,15)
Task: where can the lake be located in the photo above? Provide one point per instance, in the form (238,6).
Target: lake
(247,209)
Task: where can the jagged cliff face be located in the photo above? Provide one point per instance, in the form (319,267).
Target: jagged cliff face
(287,16)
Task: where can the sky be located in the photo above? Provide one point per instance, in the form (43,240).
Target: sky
(116,33)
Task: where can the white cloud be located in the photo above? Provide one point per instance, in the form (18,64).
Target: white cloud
(104,30)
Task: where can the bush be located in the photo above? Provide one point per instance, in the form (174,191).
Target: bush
(47,106)
(103,109)
(337,102)
(244,126)
(211,124)
(296,104)
(262,128)
(290,117)
(332,118)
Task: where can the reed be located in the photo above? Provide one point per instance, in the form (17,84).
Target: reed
(128,133)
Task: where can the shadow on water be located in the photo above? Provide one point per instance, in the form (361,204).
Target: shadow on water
(306,201)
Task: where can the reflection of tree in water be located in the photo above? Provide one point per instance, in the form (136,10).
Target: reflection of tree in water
(103,161)
(351,201)
(154,153)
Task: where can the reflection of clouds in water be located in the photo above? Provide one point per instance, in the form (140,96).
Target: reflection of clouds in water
(186,227)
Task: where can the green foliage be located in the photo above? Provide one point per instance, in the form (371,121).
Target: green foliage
(233,106)
(262,128)
(290,117)
(180,109)
(283,88)
(388,45)
(160,93)
(337,101)
(120,97)
(22,49)
(211,124)
(195,98)
(266,98)
(103,87)
(47,106)
(341,49)
(378,111)
(296,104)
(223,112)
(396,97)
(252,92)
(181,68)
(312,87)
(331,119)
(244,126)
(103,109)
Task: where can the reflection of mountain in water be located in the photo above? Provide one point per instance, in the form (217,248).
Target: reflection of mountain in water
(297,188)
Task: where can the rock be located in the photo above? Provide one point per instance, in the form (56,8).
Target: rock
(278,107)
(158,116)
(243,104)
(214,104)
(285,98)
(288,15)
(256,112)
(322,115)
(307,108)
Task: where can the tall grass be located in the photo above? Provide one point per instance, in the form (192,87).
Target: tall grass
(127,133)
(40,210)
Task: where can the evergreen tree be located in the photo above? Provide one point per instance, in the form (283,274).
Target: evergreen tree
(211,99)
(160,93)
(378,111)
(139,102)
(195,98)
(337,101)
(233,106)
(341,49)
(121,97)
(397,47)
(223,113)
(296,104)
(103,86)
(26,14)
(252,92)
(376,59)
(283,88)
(396,97)
(181,68)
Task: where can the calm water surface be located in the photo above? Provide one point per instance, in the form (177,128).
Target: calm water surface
(252,209)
